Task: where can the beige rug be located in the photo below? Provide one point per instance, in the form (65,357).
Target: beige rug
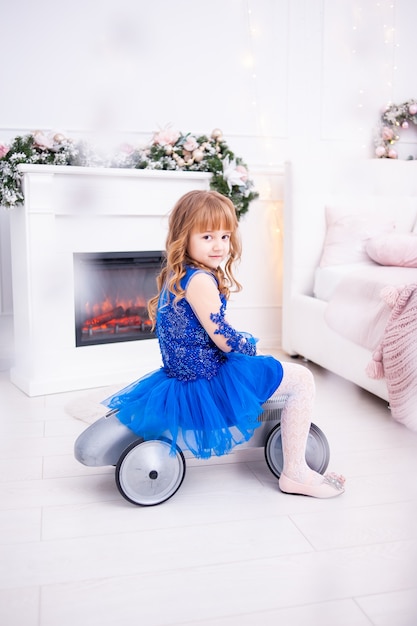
(88,408)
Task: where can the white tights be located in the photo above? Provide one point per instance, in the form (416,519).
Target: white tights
(298,385)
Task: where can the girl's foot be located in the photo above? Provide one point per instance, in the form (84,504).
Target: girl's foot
(330,486)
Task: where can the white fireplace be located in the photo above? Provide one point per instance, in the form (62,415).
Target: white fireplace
(70,211)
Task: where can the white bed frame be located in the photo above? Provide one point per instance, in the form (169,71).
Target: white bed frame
(379,184)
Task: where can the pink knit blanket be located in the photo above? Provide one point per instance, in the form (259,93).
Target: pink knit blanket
(396,356)
(376,307)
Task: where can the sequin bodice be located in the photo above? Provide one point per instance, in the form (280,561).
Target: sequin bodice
(188,353)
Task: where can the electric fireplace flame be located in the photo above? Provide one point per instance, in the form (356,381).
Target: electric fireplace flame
(106,317)
(111,295)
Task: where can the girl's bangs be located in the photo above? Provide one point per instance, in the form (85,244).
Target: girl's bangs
(216,216)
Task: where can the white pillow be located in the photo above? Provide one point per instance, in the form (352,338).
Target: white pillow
(399,249)
(347,234)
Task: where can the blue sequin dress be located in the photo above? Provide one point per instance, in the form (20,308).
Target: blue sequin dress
(208,398)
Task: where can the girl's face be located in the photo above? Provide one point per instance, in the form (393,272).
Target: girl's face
(209,248)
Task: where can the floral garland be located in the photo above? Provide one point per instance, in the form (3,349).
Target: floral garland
(34,148)
(168,150)
(394,117)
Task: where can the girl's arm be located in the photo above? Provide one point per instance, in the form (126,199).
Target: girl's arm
(203,296)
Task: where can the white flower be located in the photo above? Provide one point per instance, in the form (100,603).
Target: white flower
(232,175)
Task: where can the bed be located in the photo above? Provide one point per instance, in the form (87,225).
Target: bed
(350,274)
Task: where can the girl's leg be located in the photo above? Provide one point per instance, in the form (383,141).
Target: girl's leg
(297,477)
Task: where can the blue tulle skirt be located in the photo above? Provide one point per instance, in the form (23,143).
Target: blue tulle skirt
(210,416)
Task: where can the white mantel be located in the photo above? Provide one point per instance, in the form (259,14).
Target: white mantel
(78,209)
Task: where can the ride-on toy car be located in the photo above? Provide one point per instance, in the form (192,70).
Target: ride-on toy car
(149,473)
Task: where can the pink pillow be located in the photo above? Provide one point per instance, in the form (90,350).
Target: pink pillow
(346,236)
(398,249)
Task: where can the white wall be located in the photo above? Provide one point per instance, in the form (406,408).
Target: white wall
(281,78)
(278,76)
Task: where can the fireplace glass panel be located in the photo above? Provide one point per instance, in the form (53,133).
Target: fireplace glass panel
(111,294)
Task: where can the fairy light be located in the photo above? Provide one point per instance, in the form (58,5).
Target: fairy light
(387,14)
(272,207)
(384,19)
(262,123)
(249,62)
(357,27)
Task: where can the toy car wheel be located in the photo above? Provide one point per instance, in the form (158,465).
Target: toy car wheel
(317,450)
(147,472)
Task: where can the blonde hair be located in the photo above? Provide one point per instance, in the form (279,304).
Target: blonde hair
(197,211)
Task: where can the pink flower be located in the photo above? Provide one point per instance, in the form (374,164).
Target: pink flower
(166,137)
(42,141)
(392,154)
(3,150)
(191,144)
(387,133)
(412,109)
(380,151)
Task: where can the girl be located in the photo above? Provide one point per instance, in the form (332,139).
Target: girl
(212,385)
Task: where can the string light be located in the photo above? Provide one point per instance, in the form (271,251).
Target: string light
(387,13)
(384,21)
(357,36)
(250,64)
(267,189)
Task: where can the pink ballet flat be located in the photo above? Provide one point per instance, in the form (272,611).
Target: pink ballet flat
(331,486)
